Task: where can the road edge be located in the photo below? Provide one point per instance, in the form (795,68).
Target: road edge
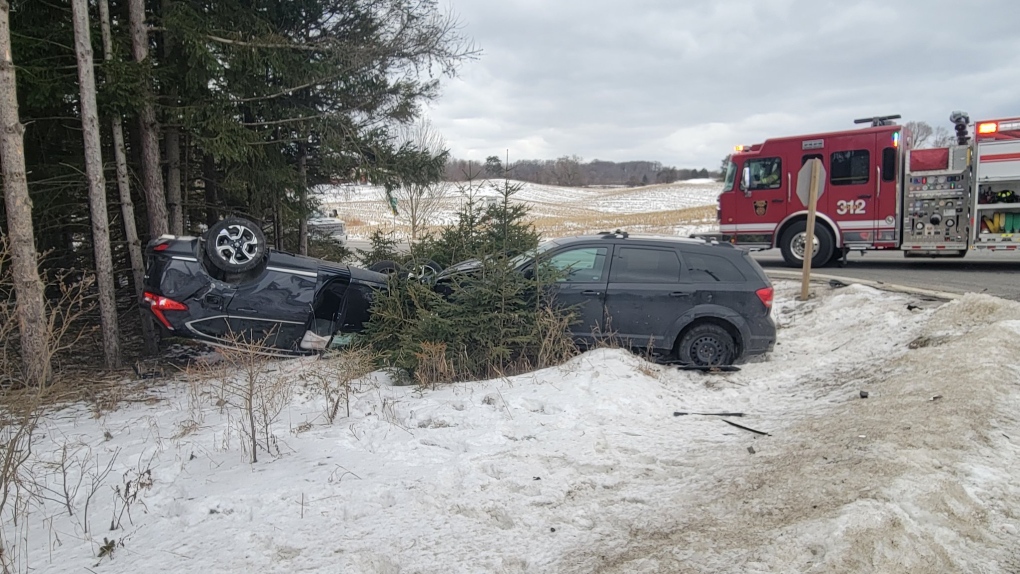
(798,275)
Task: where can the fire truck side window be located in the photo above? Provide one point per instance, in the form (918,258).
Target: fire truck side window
(766,173)
(889,164)
(849,167)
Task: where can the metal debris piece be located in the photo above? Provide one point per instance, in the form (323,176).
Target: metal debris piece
(681,413)
(731,423)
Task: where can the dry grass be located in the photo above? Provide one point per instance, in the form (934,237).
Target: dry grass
(659,222)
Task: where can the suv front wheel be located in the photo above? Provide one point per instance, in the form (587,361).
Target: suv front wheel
(706,345)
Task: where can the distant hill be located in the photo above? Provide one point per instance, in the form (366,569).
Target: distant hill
(574,172)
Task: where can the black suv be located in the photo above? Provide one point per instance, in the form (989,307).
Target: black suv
(701,303)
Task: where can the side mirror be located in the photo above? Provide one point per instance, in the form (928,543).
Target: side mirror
(529,273)
(745,181)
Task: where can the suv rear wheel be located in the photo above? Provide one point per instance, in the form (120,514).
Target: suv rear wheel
(706,345)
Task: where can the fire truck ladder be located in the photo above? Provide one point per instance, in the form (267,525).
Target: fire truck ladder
(879,120)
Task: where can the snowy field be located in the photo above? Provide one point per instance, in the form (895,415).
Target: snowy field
(581,468)
(555,210)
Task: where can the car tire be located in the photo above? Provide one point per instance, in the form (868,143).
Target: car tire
(706,345)
(385,266)
(236,245)
(424,268)
(793,248)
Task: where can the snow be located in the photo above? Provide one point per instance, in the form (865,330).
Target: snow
(366,204)
(583,467)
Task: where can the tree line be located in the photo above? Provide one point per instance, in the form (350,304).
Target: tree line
(122,120)
(573,171)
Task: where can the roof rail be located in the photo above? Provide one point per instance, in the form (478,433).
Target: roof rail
(617,233)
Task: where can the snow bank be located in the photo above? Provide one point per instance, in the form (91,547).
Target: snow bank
(584,467)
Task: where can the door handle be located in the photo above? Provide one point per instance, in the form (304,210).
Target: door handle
(680,294)
(780,200)
(865,196)
(590,293)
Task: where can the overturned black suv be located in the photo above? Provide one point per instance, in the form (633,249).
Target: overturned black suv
(696,302)
(229,285)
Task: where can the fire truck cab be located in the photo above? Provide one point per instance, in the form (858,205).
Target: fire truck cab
(874,193)
(760,207)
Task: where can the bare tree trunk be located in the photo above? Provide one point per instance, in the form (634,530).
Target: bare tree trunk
(302,166)
(32,323)
(127,206)
(173,177)
(172,136)
(211,184)
(152,175)
(97,185)
(277,222)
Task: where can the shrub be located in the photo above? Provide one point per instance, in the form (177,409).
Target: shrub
(495,320)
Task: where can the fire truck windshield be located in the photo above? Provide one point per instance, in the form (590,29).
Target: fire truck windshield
(731,174)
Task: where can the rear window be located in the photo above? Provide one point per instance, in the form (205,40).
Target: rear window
(645,265)
(706,268)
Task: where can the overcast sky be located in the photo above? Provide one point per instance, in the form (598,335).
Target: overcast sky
(683,81)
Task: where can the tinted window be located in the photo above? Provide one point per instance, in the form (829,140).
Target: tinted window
(849,167)
(645,265)
(810,156)
(581,265)
(889,164)
(705,268)
(766,173)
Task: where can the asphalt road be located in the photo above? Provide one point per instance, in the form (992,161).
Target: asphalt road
(996,274)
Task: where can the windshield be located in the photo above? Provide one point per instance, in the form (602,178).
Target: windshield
(731,174)
(529,255)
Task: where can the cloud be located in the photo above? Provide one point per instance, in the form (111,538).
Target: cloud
(682,82)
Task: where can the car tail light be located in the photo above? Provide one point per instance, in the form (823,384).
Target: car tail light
(766,294)
(161,246)
(158,304)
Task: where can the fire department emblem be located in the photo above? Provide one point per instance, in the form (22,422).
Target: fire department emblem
(760,207)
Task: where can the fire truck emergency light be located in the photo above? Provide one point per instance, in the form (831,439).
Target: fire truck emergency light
(739,148)
(896,139)
(988,128)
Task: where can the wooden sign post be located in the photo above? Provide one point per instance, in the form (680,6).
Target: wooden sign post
(809,234)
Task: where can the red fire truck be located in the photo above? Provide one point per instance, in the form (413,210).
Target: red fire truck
(876,194)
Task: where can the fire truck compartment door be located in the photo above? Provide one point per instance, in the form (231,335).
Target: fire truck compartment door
(998,161)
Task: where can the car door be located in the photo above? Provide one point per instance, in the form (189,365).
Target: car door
(275,307)
(582,273)
(645,294)
(765,199)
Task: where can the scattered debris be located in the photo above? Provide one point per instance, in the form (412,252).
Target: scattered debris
(703,369)
(750,449)
(912,307)
(837,284)
(746,428)
(935,398)
(864,394)
(681,413)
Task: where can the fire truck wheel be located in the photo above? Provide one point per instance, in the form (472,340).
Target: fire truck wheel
(793,246)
